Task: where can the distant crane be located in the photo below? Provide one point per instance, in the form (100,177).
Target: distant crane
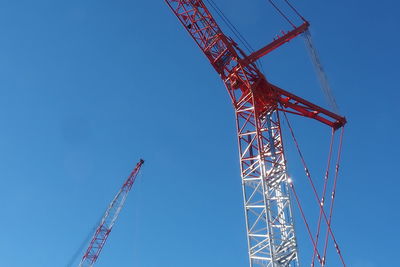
(259,106)
(107,222)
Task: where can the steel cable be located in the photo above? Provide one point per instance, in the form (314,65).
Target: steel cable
(308,174)
(233,28)
(322,77)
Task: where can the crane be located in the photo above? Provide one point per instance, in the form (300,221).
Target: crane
(268,191)
(107,222)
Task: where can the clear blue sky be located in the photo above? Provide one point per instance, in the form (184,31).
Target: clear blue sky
(89,87)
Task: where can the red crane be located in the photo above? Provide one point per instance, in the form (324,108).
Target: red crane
(259,105)
(107,222)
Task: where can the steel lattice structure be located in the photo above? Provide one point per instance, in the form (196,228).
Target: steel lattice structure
(107,222)
(268,210)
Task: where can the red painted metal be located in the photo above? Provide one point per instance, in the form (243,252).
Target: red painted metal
(257,105)
(104,229)
(238,71)
(278,42)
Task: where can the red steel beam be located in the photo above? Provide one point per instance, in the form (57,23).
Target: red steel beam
(278,42)
(308,109)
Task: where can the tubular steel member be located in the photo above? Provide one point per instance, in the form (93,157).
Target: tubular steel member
(278,42)
(270,227)
(104,229)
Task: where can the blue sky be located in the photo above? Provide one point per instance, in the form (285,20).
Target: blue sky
(89,87)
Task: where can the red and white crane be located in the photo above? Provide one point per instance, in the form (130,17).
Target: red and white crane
(107,222)
(259,107)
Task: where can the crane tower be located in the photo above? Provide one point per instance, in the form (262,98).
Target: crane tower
(259,106)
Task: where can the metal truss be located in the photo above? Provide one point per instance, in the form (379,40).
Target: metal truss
(107,222)
(269,220)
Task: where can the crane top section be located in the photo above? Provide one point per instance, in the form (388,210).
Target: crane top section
(239,71)
(131,179)
(200,23)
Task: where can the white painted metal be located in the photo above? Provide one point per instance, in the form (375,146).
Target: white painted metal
(269,220)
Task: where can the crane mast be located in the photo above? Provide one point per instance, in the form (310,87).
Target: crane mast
(107,222)
(271,234)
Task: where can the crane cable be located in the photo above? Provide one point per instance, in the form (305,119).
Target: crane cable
(233,29)
(327,218)
(319,69)
(295,10)
(285,17)
(312,51)
(281,13)
(230,25)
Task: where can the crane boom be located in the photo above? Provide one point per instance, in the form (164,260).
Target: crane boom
(271,235)
(107,222)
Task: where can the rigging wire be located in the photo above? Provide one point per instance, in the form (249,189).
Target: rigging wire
(326,178)
(295,10)
(327,219)
(304,218)
(230,25)
(339,153)
(281,13)
(285,17)
(322,77)
(312,51)
(233,29)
